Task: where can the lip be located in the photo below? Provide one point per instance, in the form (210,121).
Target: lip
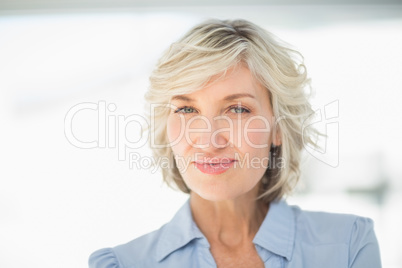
(214,167)
(215,160)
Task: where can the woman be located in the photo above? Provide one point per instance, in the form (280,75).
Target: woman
(230,114)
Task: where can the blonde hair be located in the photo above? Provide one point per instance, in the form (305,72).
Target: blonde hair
(213,47)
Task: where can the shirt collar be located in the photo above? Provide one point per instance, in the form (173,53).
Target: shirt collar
(277,231)
(178,232)
(276,234)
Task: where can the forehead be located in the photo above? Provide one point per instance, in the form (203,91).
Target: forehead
(238,82)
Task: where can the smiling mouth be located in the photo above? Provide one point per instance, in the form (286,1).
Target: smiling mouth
(215,160)
(214,168)
(214,163)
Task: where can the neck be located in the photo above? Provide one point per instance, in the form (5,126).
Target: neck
(229,223)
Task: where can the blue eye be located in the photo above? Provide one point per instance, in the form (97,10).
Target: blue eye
(185,110)
(234,109)
(239,110)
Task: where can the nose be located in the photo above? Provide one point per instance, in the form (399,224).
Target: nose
(209,132)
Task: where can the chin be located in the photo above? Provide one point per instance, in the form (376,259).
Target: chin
(215,192)
(216,197)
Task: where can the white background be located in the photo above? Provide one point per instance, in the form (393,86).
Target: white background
(59,203)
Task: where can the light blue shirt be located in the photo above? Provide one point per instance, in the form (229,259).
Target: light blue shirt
(288,237)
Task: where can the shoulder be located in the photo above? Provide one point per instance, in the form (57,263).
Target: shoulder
(128,255)
(346,234)
(103,258)
(324,227)
(170,246)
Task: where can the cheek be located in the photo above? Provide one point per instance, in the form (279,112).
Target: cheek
(174,129)
(257,140)
(256,136)
(257,145)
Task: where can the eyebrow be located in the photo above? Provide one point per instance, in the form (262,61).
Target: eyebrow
(227,98)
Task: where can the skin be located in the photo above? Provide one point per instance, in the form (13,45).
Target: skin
(224,206)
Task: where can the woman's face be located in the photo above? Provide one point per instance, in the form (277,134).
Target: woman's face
(221,135)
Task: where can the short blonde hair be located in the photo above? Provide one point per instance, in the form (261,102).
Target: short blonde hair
(213,47)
